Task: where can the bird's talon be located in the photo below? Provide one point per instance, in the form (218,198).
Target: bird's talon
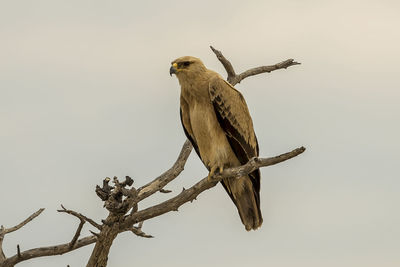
(211,173)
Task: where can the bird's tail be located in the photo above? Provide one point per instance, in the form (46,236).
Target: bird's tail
(247,201)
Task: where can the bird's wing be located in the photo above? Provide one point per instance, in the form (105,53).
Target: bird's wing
(234,118)
(187,127)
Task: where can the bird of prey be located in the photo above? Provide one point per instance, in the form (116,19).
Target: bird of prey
(216,120)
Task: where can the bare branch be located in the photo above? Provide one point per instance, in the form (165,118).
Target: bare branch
(4,231)
(227,65)
(263,69)
(190,194)
(162,180)
(27,220)
(80,216)
(256,163)
(93,233)
(45,251)
(48,251)
(138,231)
(77,233)
(234,78)
(18,251)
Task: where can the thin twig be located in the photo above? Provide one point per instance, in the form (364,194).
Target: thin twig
(94,233)
(4,231)
(234,78)
(225,62)
(80,216)
(138,231)
(49,251)
(27,220)
(265,69)
(77,233)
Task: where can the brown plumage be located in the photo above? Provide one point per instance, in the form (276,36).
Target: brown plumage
(216,120)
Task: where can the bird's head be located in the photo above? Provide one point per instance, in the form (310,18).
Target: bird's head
(186,66)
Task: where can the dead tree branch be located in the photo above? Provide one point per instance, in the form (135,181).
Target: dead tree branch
(80,216)
(42,251)
(190,194)
(18,252)
(256,163)
(263,69)
(226,63)
(117,222)
(122,199)
(118,200)
(20,225)
(47,251)
(4,231)
(138,231)
(234,78)
(77,233)
(168,176)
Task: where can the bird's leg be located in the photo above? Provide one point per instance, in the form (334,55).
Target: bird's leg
(212,171)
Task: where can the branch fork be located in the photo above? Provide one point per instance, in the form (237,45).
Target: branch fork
(234,78)
(20,256)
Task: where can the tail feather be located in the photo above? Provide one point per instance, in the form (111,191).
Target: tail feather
(246,199)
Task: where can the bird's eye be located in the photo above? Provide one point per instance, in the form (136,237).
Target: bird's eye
(186,63)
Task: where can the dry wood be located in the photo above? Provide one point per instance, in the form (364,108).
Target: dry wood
(168,176)
(138,231)
(4,231)
(234,78)
(190,194)
(77,233)
(47,251)
(80,216)
(20,256)
(20,225)
(121,200)
(101,250)
(226,63)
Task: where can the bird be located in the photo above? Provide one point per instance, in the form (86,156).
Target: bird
(217,121)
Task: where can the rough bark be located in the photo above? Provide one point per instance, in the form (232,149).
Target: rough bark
(101,250)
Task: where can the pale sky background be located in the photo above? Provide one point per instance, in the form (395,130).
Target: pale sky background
(85,93)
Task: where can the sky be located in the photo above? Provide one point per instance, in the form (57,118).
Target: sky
(85,93)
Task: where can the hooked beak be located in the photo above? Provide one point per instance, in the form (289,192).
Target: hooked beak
(173,69)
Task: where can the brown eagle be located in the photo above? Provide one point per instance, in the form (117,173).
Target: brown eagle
(217,122)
